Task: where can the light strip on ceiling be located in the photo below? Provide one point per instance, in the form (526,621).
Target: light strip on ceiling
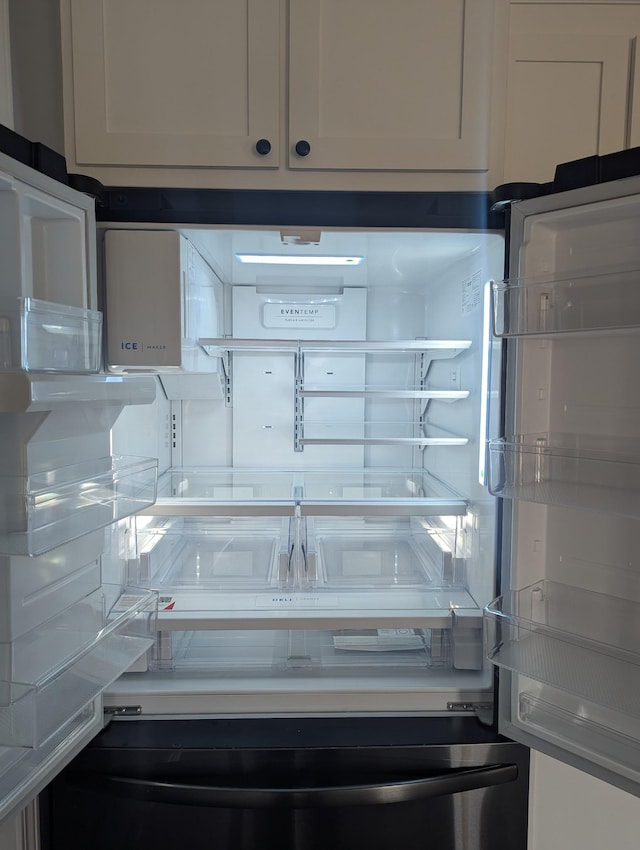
(299,260)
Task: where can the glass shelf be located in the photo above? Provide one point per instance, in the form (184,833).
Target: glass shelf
(45,510)
(437,348)
(599,300)
(54,671)
(575,640)
(39,336)
(383,393)
(230,492)
(335,433)
(567,470)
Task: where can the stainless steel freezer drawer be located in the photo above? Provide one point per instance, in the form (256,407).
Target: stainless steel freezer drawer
(339,783)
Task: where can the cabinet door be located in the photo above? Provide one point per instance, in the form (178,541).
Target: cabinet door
(400,86)
(193,83)
(571,75)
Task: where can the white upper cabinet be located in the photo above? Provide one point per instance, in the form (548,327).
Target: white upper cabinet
(379,85)
(193,83)
(572,84)
(281,93)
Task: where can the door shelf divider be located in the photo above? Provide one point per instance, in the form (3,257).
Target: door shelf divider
(67,662)
(567,470)
(588,301)
(577,641)
(43,511)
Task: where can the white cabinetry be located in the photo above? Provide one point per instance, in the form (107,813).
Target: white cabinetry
(191,83)
(572,87)
(250,95)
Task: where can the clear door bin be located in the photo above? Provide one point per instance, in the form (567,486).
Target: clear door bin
(42,511)
(34,589)
(54,671)
(567,470)
(599,300)
(578,641)
(39,336)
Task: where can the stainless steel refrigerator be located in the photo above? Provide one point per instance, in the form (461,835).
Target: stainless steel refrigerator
(386,468)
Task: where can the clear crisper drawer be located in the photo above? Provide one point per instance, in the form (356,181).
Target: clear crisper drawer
(42,511)
(578,641)
(54,671)
(599,300)
(566,470)
(387,555)
(39,336)
(220,554)
(231,654)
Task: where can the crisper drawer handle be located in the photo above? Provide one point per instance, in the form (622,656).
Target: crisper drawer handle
(300,798)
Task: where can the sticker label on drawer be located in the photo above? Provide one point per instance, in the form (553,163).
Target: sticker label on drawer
(166,603)
(126,601)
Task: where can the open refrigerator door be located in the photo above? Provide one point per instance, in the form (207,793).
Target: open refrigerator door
(61,639)
(565,629)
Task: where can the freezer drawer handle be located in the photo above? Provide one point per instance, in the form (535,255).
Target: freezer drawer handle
(300,798)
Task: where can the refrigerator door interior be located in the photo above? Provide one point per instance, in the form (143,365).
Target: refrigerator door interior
(565,632)
(323,540)
(63,635)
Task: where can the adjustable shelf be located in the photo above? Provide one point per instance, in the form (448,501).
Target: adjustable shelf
(575,640)
(576,472)
(384,393)
(256,492)
(45,510)
(54,671)
(319,433)
(403,608)
(600,300)
(437,348)
(431,436)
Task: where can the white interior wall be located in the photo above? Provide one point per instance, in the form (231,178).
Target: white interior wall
(570,810)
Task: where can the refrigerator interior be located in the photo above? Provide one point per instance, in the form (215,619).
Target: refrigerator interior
(567,625)
(323,538)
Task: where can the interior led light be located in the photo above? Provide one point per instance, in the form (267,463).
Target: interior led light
(299,260)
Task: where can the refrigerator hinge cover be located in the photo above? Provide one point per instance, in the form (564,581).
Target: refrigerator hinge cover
(112,711)
(483,710)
